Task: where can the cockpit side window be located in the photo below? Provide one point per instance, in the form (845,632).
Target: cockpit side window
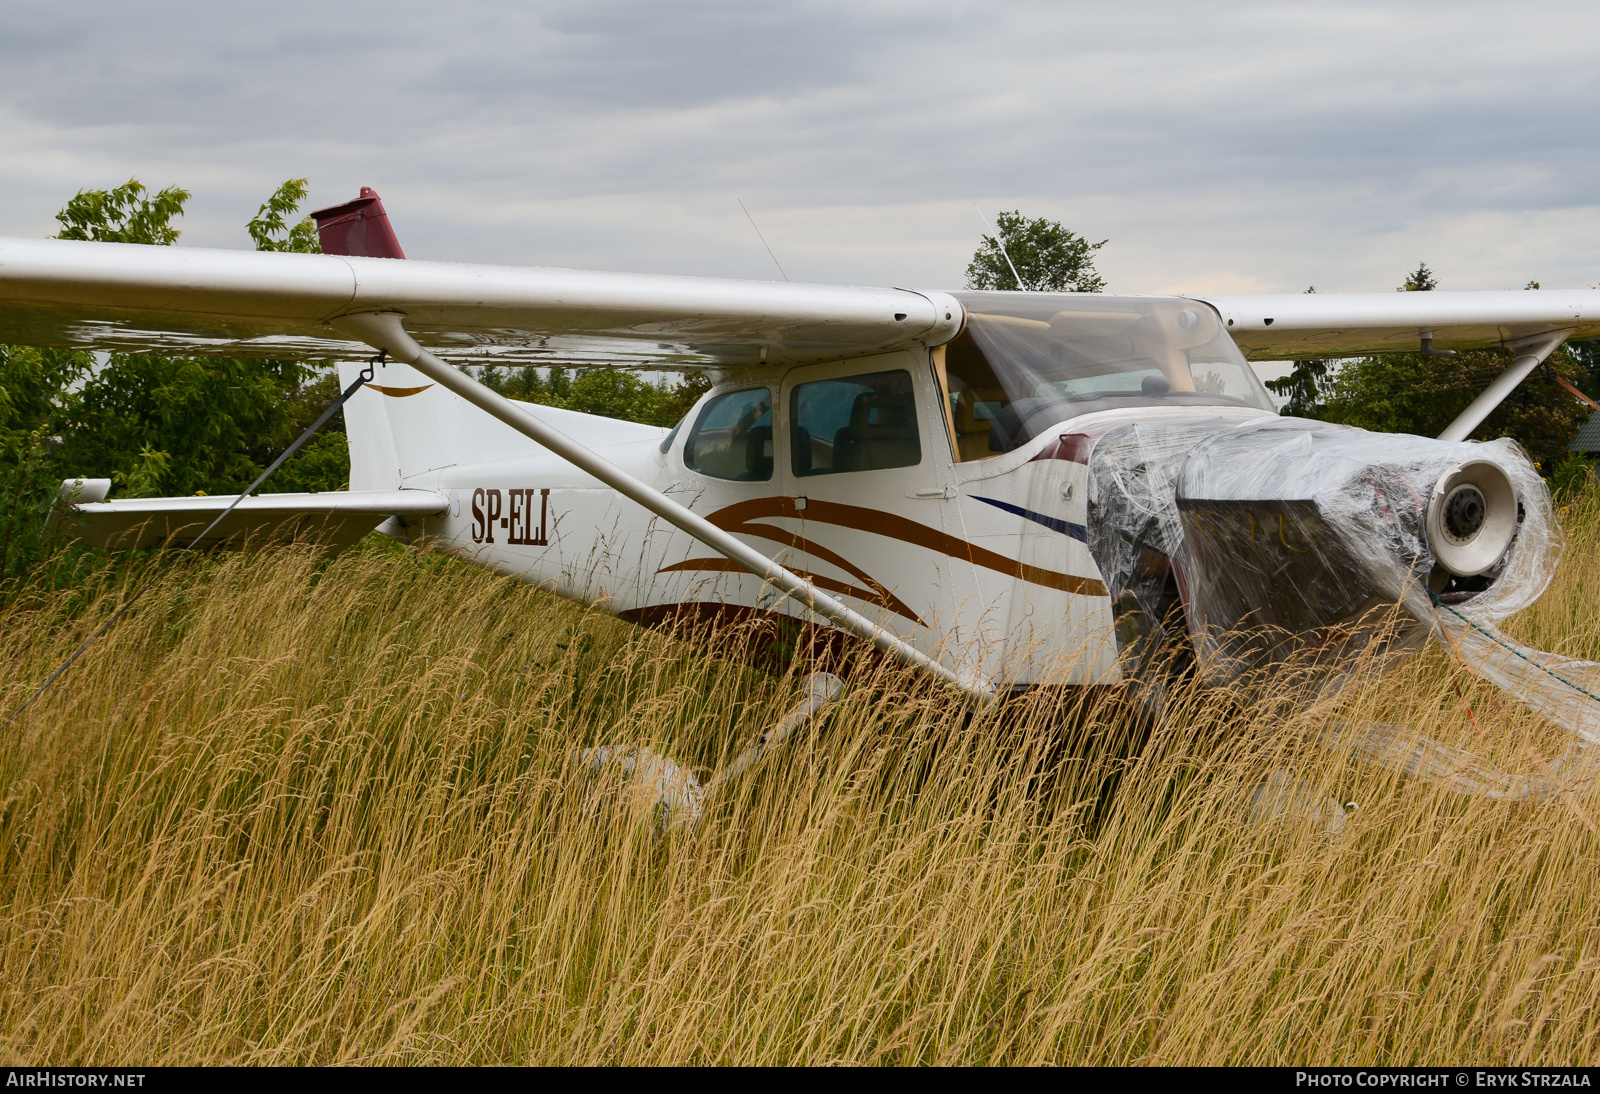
(976,396)
(733,437)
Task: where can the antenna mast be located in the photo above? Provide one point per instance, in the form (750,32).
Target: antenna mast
(763,239)
(997,242)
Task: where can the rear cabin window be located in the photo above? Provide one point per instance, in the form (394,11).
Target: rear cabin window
(854,423)
(733,438)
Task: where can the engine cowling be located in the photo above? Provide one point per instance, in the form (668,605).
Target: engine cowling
(1291,539)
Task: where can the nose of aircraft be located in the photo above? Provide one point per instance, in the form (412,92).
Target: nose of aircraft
(1305,526)
(1291,539)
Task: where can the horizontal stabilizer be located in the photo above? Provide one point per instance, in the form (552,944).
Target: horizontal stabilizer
(332,520)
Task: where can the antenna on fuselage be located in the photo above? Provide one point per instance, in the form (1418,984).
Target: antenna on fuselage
(762,238)
(999,243)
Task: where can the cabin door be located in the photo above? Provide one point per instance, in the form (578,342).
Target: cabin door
(858,459)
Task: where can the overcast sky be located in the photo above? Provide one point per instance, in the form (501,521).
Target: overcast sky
(1218,147)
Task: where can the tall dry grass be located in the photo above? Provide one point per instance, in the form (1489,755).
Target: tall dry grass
(290,812)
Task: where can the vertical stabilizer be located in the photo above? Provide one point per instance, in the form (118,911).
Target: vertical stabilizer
(358,228)
(374,460)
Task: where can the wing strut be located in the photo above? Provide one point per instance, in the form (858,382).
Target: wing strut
(1527,354)
(384,331)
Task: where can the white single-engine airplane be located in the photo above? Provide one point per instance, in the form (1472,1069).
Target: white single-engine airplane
(1002,489)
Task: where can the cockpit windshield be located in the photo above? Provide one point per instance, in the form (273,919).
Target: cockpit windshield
(1025,362)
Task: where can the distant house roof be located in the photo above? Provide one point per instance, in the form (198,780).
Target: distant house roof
(1587,442)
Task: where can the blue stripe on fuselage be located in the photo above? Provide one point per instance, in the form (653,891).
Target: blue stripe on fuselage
(1076,531)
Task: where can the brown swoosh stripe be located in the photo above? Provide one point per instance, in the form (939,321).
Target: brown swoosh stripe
(736,518)
(739,522)
(727,565)
(398,392)
(763,629)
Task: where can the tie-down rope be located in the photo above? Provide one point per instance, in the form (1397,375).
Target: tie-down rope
(355,385)
(1507,646)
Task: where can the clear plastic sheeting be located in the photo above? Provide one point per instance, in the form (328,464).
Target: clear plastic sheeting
(1285,542)
(1135,535)
(1564,690)
(1304,537)
(1396,748)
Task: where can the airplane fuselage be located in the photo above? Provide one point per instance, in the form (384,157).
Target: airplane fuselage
(984,563)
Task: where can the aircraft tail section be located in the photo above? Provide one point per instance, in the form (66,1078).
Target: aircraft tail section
(360,228)
(402,425)
(332,520)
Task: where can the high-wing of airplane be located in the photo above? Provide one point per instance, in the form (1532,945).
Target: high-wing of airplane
(1003,489)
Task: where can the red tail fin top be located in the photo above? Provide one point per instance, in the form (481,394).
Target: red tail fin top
(359,228)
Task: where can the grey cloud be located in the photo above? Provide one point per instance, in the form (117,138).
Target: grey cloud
(656,56)
(1228,144)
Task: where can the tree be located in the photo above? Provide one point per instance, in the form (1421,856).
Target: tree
(681,397)
(1048,257)
(37,385)
(1421,394)
(270,229)
(155,425)
(123,215)
(526,384)
(611,393)
(1587,357)
(1307,386)
(1419,280)
(31,382)
(180,425)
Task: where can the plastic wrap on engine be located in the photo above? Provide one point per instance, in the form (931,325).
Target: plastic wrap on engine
(1135,535)
(1287,540)
(1304,538)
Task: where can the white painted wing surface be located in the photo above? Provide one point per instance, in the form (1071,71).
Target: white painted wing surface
(184,300)
(1306,325)
(332,520)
